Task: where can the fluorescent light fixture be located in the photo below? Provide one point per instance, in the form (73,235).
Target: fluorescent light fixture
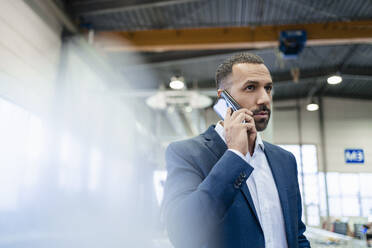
(312,107)
(178,98)
(188,109)
(177,83)
(336,79)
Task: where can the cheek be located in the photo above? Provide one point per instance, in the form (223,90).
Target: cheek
(239,96)
(246,101)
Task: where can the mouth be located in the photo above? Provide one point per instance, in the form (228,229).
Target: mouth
(262,114)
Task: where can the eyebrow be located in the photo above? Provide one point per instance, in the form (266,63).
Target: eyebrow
(256,82)
(250,82)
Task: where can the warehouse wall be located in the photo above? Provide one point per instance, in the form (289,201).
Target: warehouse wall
(348,124)
(29,51)
(90,157)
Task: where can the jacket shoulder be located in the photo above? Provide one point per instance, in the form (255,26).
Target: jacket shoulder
(279,150)
(188,149)
(191,145)
(187,144)
(189,153)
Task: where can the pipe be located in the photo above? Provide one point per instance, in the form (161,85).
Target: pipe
(324,152)
(299,129)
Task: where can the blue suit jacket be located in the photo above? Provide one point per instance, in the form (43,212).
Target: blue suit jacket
(207,202)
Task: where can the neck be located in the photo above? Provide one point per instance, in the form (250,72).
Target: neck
(251,143)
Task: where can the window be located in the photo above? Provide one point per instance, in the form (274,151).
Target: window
(366,193)
(366,184)
(309,181)
(350,194)
(22,145)
(367,207)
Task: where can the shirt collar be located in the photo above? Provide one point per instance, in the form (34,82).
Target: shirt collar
(221,131)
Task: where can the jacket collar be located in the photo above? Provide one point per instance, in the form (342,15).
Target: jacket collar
(218,147)
(214,141)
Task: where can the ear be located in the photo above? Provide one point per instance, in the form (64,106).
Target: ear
(219,91)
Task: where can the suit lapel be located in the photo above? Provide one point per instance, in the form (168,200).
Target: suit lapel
(218,148)
(278,170)
(214,143)
(248,197)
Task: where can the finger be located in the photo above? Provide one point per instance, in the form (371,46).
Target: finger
(242,110)
(228,115)
(250,127)
(249,118)
(248,112)
(247,125)
(239,119)
(238,112)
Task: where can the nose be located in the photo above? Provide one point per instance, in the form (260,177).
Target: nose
(263,97)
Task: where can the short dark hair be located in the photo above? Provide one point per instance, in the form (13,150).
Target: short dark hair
(225,69)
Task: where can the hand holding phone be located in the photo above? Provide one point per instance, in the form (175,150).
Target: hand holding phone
(239,126)
(224,102)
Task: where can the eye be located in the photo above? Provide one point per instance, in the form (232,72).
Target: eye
(250,87)
(268,88)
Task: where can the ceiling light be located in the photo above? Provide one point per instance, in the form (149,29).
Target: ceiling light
(312,106)
(170,109)
(177,83)
(179,98)
(336,79)
(188,109)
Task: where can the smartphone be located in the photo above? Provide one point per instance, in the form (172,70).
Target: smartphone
(224,102)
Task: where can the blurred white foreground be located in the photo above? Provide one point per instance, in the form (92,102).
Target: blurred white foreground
(79,172)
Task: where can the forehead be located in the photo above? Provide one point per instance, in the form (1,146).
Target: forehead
(253,72)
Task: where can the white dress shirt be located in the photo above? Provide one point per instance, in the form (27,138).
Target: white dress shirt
(264,194)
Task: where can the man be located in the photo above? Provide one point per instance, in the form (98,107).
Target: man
(228,188)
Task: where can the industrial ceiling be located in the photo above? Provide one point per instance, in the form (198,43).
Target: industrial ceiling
(176,14)
(339,40)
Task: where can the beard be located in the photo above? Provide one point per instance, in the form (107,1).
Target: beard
(261,124)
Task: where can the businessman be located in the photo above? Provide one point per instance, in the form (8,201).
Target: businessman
(226,188)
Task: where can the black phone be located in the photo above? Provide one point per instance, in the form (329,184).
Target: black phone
(224,102)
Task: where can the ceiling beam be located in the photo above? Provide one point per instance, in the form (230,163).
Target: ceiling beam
(331,33)
(114,6)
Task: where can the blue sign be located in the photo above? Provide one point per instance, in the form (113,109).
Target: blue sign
(354,156)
